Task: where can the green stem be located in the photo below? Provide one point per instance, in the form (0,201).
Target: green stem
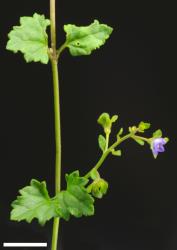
(141,138)
(57,125)
(55,233)
(60,50)
(111,148)
(57,146)
(54,63)
(107,141)
(107,152)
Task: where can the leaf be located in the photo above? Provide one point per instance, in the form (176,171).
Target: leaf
(116,152)
(30,38)
(75,200)
(139,141)
(84,39)
(114,118)
(34,202)
(62,210)
(157,134)
(102,142)
(143,126)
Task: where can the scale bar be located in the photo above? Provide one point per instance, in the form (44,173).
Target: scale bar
(7,244)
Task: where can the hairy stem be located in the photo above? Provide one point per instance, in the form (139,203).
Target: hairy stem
(55,74)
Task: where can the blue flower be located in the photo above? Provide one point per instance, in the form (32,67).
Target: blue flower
(157,146)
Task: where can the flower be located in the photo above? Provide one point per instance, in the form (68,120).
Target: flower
(157,146)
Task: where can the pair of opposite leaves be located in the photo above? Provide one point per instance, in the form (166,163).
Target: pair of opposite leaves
(31,39)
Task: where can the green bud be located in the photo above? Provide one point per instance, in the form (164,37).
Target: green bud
(166,139)
(143,126)
(132,129)
(99,188)
(106,122)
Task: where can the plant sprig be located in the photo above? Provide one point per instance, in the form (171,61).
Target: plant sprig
(78,199)
(34,202)
(106,122)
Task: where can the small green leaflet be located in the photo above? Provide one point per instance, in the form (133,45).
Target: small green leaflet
(30,38)
(116,152)
(84,39)
(102,142)
(139,141)
(114,118)
(34,202)
(120,133)
(157,133)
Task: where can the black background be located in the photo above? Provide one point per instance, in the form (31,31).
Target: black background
(133,75)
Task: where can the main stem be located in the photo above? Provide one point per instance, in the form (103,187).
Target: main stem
(54,63)
(57,146)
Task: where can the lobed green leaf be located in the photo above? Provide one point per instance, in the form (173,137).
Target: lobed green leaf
(84,39)
(30,38)
(75,200)
(34,202)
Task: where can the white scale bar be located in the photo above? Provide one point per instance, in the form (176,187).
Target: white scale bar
(5,244)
